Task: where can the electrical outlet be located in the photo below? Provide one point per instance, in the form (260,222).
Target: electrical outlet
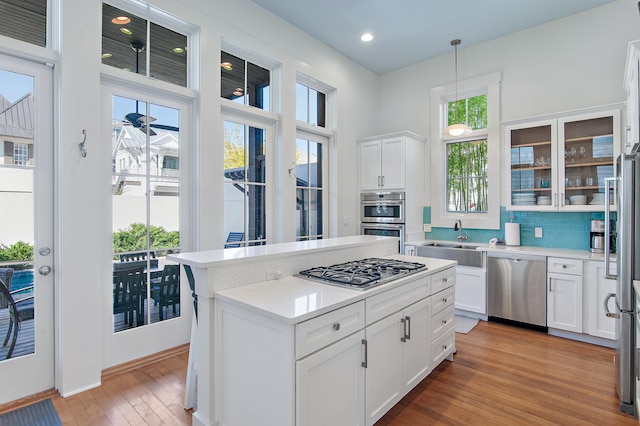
(538,232)
(426,227)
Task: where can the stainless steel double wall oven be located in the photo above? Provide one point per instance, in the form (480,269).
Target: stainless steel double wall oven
(383,214)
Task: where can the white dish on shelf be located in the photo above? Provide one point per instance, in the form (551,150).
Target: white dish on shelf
(544,203)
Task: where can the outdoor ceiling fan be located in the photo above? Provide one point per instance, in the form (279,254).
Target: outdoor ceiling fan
(137,120)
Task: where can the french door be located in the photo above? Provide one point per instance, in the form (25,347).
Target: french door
(146,146)
(26,228)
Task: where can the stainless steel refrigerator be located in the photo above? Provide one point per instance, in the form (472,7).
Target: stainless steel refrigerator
(627,182)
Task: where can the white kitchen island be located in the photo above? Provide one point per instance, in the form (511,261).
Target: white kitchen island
(277,349)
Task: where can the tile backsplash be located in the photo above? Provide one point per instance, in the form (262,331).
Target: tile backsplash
(559,229)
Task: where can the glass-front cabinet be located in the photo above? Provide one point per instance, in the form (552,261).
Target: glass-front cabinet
(561,163)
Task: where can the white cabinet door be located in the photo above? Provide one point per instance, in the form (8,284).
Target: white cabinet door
(564,302)
(384,386)
(330,385)
(370,159)
(416,355)
(471,289)
(597,289)
(393,163)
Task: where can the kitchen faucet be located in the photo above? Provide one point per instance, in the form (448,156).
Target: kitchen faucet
(458,227)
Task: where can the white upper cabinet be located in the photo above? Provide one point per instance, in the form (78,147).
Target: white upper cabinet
(391,162)
(561,163)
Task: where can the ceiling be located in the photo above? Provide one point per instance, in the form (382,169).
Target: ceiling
(411,31)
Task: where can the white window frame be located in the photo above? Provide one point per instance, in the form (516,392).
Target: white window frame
(439,98)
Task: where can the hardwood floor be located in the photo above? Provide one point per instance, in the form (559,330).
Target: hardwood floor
(501,375)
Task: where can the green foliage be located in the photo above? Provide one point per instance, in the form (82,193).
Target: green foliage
(134,238)
(471,111)
(19,251)
(467,176)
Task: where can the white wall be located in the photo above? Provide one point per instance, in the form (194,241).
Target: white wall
(572,63)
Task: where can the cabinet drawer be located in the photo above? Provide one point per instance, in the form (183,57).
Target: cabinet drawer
(564,266)
(396,299)
(442,300)
(321,331)
(442,347)
(442,322)
(442,280)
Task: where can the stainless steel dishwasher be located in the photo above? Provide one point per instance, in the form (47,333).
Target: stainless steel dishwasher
(517,288)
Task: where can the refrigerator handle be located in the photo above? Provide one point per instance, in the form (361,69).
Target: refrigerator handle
(607,229)
(608,313)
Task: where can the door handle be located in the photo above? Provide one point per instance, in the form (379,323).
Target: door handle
(608,313)
(44,270)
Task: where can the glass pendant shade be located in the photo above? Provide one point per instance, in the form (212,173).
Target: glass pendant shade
(457,129)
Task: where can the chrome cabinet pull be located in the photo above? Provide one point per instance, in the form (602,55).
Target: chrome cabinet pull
(550,286)
(404,330)
(364,363)
(444,280)
(444,300)
(408,335)
(336,326)
(444,322)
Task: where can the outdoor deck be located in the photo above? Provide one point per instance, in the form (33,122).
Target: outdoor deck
(25,343)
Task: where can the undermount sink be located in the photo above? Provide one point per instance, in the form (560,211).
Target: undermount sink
(466,255)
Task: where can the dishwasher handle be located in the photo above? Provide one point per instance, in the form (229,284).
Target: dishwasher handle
(608,313)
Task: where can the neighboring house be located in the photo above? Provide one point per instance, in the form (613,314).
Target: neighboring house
(16,169)
(130,160)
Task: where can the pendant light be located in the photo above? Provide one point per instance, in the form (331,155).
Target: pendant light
(457,129)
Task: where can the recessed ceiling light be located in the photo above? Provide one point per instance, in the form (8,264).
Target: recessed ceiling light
(178,50)
(366,37)
(127,31)
(106,55)
(121,20)
(226,65)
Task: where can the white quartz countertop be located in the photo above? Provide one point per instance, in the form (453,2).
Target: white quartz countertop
(536,251)
(209,258)
(292,299)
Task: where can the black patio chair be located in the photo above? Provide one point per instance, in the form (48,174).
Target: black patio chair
(166,292)
(6,275)
(20,309)
(233,239)
(128,288)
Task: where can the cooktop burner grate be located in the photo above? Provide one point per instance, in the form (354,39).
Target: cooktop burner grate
(365,273)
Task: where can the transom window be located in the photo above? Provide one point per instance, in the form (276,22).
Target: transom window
(310,105)
(25,20)
(244,82)
(140,46)
(472,111)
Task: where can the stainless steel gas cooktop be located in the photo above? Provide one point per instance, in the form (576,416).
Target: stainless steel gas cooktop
(363,274)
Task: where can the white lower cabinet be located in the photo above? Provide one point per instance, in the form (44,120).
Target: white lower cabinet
(597,289)
(336,368)
(333,376)
(398,357)
(564,294)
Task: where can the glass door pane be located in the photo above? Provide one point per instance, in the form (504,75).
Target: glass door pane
(589,156)
(146,219)
(532,179)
